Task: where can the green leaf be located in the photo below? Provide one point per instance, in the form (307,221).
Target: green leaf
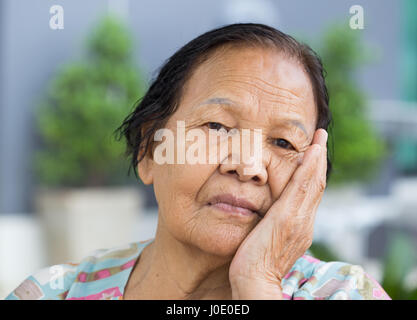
(85,103)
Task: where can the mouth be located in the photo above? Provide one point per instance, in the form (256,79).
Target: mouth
(232,204)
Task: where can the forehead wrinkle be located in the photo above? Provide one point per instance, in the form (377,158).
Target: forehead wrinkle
(272,89)
(285,99)
(229,104)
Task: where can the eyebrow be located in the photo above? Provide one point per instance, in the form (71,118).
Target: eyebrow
(228,102)
(218,101)
(298,124)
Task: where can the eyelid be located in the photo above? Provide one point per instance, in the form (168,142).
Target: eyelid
(291,146)
(226,127)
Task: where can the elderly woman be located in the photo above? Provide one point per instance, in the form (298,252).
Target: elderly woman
(227,229)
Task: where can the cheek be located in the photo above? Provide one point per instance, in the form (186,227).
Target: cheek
(280,170)
(177,187)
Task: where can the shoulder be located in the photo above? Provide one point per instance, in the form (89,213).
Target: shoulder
(73,280)
(48,283)
(313,279)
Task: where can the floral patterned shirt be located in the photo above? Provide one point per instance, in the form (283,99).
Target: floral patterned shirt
(104,273)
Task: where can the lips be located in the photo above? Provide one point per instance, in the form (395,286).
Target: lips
(228,202)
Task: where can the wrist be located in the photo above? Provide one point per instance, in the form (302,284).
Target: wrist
(249,288)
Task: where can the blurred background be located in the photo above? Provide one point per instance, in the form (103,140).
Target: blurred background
(70,71)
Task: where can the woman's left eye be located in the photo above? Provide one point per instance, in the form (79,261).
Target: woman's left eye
(283,144)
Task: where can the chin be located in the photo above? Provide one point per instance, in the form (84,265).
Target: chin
(222,242)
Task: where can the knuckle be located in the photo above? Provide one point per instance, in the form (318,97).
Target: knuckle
(308,241)
(303,186)
(321,185)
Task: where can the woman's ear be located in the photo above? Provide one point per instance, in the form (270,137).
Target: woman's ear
(145,168)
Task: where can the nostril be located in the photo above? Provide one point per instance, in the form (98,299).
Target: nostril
(256,179)
(232,172)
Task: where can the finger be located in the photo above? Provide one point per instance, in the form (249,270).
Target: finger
(320,185)
(305,176)
(298,187)
(311,165)
(320,137)
(318,180)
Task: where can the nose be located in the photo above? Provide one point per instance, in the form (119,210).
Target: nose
(253,171)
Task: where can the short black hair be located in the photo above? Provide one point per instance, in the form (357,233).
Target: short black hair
(162,98)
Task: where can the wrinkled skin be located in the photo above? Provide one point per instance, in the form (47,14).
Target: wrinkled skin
(285,233)
(200,252)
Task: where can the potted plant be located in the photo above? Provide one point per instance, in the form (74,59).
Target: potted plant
(356,147)
(86,199)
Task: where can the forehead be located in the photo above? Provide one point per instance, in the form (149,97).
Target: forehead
(263,78)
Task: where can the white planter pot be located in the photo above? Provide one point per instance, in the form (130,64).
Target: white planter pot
(79,221)
(22,250)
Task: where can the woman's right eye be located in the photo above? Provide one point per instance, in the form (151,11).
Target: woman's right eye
(216,126)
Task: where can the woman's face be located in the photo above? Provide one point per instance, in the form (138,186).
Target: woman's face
(242,88)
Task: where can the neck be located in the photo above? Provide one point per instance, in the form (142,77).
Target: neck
(170,269)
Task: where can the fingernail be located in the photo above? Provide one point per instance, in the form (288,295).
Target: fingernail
(324,137)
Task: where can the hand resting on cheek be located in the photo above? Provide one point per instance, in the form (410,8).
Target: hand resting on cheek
(285,233)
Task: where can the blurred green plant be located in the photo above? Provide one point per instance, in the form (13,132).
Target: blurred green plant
(322,252)
(398,263)
(86,102)
(356,147)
